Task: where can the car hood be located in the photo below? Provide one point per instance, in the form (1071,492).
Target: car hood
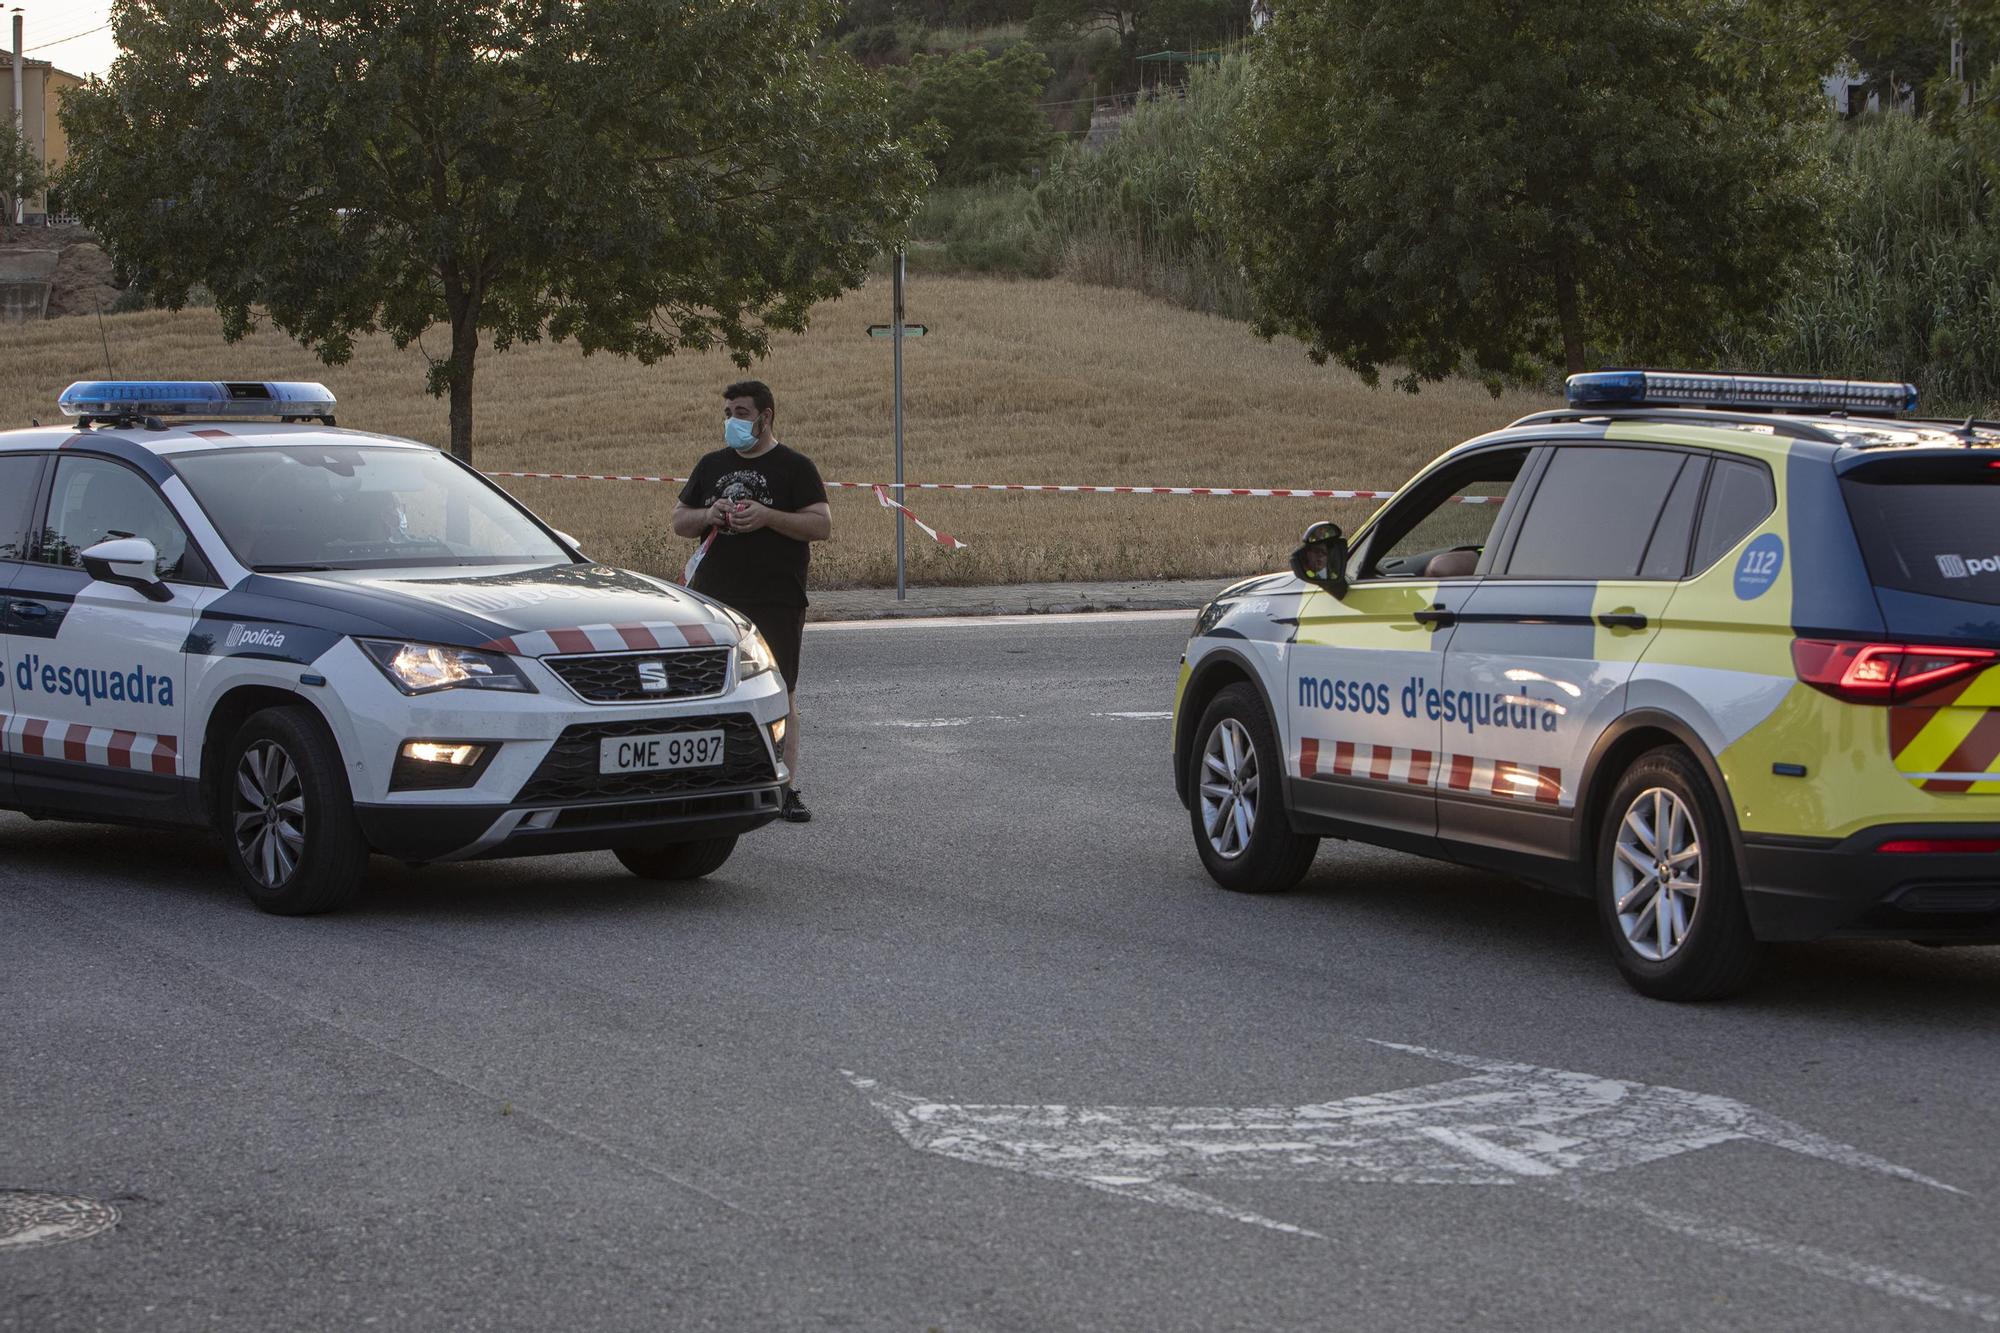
(531,611)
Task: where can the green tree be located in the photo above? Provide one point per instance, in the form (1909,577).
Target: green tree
(21,175)
(986,109)
(1141,25)
(639,175)
(1509,185)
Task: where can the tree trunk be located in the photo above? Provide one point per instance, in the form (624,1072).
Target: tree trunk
(1569,316)
(464,351)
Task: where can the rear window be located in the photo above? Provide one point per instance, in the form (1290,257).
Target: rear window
(1930,532)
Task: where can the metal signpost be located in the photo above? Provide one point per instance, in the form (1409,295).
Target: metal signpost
(896,331)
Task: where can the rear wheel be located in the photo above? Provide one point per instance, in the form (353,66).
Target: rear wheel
(1667,890)
(288,827)
(677,860)
(1238,807)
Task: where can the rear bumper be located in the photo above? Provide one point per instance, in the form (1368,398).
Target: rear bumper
(1807,888)
(470,832)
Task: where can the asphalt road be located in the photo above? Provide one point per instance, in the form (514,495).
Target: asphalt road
(544,1094)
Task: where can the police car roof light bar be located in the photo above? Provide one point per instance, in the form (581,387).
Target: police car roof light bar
(1777,393)
(124,402)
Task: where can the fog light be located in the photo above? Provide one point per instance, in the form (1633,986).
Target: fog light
(456,753)
(778,733)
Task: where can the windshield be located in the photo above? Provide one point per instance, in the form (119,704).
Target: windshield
(310,507)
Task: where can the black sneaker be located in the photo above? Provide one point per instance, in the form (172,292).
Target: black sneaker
(794,810)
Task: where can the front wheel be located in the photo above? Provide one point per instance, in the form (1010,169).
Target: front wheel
(1238,810)
(288,826)
(1667,890)
(677,860)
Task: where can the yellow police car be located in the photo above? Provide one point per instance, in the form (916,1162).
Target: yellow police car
(1720,651)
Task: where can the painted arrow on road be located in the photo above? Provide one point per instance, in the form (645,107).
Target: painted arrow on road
(1505,1124)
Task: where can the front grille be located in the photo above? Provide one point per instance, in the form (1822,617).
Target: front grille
(569,771)
(684,807)
(616,678)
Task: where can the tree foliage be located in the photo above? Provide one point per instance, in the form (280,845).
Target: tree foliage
(1142,26)
(639,175)
(21,175)
(986,109)
(1508,185)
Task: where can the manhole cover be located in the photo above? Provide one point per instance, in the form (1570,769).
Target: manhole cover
(49,1219)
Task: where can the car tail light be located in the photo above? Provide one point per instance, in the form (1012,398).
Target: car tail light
(1882,673)
(1949,846)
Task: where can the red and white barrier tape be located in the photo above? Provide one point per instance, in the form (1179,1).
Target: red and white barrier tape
(1266,492)
(944,539)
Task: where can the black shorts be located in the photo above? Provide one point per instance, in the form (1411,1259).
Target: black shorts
(783,627)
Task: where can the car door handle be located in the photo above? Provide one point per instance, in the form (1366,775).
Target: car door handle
(1434,617)
(1626,619)
(29,610)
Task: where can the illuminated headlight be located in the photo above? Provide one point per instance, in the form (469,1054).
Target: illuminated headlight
(421,668)
(753,656)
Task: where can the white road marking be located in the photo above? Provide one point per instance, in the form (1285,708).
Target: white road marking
(1505,1124)
(1137,717)
(1012,621)
(29,1218)
(930,722)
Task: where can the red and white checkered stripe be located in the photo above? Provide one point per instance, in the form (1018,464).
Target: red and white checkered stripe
(1540,784)
(1381,763)
(649,637)
(39,738)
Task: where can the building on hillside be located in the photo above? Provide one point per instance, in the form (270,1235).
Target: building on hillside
(42,87)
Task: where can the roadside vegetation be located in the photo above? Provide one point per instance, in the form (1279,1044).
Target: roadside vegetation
(1017,382)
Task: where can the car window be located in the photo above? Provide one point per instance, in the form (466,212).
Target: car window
(18,474)
(1667,552)
(1440,531)
(1594,512)
(1930,529)
(359,507)
(96,500)
(1740,497)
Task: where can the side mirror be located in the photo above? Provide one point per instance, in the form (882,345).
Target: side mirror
(130,562)
(1321,559)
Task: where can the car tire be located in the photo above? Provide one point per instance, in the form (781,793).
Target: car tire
(286,816)
(1236,805)
(1692,942)
(677,860)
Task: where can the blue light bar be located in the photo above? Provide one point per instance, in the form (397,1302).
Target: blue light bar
(195,398)
(1660,388)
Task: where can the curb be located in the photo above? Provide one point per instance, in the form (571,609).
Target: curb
(1028,600)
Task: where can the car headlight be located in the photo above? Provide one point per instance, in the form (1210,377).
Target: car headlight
(422,668)
(753,655)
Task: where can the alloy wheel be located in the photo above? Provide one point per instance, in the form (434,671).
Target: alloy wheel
(1229,788)
(269,809)
(1656,873)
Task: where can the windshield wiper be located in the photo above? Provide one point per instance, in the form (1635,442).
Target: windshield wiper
(291,569)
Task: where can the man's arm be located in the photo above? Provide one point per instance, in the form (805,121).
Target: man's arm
(689,521)
(814,523)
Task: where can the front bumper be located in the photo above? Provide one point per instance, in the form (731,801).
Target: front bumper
(472,832)
(1807,888)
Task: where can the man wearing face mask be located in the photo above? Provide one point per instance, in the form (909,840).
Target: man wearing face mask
(765,505)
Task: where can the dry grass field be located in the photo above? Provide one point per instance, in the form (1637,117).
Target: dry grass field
(1018,382)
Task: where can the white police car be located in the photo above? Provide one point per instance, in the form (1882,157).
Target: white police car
(323,643)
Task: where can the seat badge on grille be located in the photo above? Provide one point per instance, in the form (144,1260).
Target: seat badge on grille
(653,676)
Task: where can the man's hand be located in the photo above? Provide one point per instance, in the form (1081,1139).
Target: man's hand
(718,514)
(748,516)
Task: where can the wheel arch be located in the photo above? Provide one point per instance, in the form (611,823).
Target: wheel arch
(1220,669)
(232,709)
(1632,735)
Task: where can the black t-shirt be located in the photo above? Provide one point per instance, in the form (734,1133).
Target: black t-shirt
(761,568)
